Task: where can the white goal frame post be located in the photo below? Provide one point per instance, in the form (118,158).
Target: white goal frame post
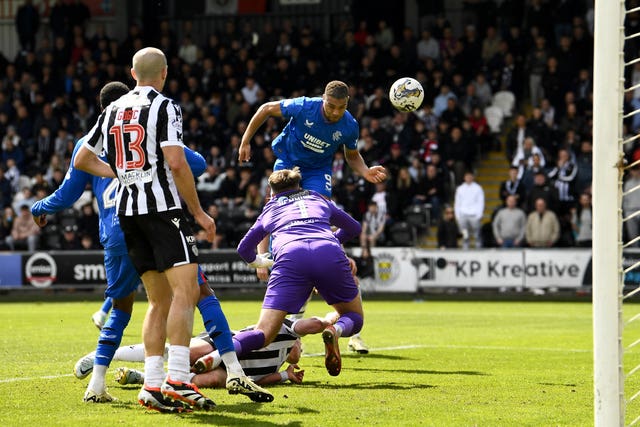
(608,274)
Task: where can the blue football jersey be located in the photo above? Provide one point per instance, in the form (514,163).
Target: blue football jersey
(73,185)
(309,140)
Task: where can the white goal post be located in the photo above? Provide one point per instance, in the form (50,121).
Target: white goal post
(608,275)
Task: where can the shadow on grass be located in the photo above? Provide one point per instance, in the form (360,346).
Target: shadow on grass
(407,371)
(223,415)
(368,386)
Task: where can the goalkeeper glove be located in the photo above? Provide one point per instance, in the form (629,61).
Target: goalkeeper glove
(262,261)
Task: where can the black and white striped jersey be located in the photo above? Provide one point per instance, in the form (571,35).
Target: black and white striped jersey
(131,132)
(269,359)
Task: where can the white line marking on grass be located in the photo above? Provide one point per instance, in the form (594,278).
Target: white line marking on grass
(468,347)
(46,377)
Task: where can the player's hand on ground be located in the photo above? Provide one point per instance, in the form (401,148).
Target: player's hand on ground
(376,174)
(41,220)
(244,152)
(207,223)
(295,376)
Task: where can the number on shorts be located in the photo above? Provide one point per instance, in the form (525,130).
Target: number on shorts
(136,136)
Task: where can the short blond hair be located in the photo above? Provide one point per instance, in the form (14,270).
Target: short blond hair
(285,179)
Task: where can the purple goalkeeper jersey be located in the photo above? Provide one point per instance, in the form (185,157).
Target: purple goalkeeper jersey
(296,215)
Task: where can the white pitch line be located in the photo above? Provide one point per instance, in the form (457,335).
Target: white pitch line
(46,377)
(400,347)
(469,347)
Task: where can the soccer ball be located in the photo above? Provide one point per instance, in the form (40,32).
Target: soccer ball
(406,94)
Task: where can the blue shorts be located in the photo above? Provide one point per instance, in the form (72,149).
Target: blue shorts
(122,277)
(302,265)
(312,179)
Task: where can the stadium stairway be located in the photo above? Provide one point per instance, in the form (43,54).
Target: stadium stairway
(492,169)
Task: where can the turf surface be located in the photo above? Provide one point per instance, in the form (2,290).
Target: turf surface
(439,363)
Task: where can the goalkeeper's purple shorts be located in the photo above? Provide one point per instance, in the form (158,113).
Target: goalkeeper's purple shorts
(302,265)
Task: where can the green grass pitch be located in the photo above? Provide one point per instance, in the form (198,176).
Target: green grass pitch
(432,363)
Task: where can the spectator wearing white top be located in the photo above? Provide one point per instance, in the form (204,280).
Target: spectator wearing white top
(524,156)
(469,209)
(250,90)
(428,47)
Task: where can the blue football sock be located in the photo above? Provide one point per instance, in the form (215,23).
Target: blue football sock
(106,305)
(110,336)
(216,323)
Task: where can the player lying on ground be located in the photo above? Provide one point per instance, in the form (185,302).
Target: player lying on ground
(262,365)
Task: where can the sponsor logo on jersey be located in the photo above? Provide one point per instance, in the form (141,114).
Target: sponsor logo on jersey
(307,123)
(176,222)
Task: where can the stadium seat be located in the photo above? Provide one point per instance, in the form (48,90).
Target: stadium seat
(495,117)
(506,101)
(419,216)
(401,234)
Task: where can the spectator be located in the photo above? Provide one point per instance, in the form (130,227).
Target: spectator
(469,209)
(25,233)
(524,156)
(6,224)
(513,186)
(582,221)
(543,227)
(428,47)
(70,239)
(27,25)
(401,194)
(373,225)
(541,189)
(448,230)
(563,177)
(6,191)
(431,189)
(509,224)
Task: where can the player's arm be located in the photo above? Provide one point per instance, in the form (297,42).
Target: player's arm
(348,228)
(290,374)
(372,174)
(182,176)
(266,110)
(248,244)
(197,163)
(65,196)
(86,160)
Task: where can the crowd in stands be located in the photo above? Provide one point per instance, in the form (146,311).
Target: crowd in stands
(48,99)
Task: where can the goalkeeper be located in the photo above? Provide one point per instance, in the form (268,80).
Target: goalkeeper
(307,254)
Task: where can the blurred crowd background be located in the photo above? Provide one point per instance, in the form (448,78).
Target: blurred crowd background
(538,52)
